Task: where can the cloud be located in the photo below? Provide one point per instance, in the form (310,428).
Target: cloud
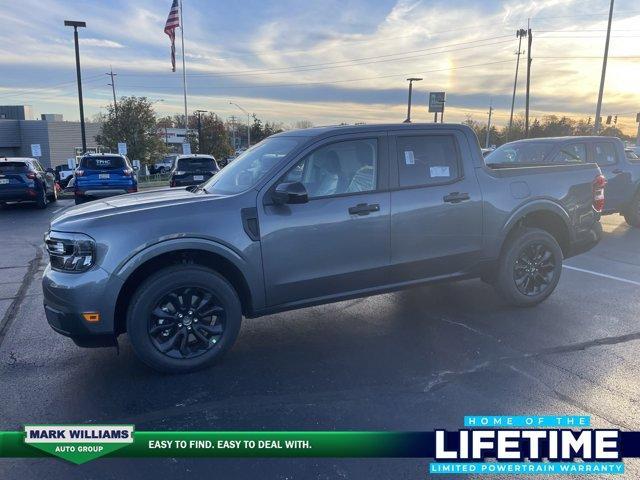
(249,51)
(99,42)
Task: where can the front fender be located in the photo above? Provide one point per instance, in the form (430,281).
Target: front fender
(250,270)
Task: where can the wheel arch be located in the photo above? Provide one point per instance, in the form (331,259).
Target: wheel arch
(545,215)
(215,257)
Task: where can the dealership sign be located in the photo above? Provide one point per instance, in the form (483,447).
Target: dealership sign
(78,444)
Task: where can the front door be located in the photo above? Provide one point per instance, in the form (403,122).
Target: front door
(436,205)
(337,242)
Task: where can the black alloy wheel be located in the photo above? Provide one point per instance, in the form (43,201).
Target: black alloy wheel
(534,269)
(187,322)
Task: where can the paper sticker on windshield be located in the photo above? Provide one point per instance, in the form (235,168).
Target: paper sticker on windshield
(439,172)
(409,159)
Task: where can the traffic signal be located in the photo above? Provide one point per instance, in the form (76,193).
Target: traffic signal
(609,120)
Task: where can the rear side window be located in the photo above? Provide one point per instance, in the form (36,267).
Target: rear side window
(102,163)
(13,167)
(571,153)
(605,153)
(427,160)
(197,164)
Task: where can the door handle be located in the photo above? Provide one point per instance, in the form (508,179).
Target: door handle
(364,209)
(456,197)
(618,171)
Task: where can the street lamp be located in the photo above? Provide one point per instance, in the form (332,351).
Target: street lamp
(75,25)
(410,80)
(198,112)
(248,125)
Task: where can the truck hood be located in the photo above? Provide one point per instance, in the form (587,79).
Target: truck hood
(69,219)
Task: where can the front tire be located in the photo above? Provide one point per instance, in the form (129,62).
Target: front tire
(530,267)
(632,216)
(54,195)
(183,318)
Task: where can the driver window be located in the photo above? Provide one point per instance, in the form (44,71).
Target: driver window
(338,168)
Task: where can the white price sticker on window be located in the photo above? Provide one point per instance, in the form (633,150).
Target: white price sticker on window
(409,159)
(439,172)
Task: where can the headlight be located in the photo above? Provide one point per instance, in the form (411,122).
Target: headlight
(179,172)
(70,252)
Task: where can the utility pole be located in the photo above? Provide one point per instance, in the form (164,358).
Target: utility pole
(248,123)
(486,142)
(75,25)
(596,129)
(113,89)
(410,80)
(198,113)
(526,115)
(520,33)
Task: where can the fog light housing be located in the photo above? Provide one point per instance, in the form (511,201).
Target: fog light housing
(70,252)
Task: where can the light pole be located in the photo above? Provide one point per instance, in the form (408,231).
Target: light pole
(248,124)
(604,72)
(199,112)
(75,25)
(410,80)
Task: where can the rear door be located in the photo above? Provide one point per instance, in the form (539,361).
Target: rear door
(436,205)
(619,189)
(337,242)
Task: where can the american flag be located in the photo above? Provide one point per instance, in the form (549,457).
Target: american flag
(173,22)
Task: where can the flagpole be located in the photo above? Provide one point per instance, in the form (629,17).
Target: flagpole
(184,72)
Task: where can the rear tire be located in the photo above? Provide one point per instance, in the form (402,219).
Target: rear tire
(632,216)
(54,195)
(43,199)
(175,297)
(530,267)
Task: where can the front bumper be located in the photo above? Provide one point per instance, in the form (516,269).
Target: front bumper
(68,295)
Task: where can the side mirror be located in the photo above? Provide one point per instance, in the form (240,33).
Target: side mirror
(290,192)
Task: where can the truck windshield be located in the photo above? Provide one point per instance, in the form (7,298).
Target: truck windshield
(251,166)
(519,153)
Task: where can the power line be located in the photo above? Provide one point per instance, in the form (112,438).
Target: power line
(348,62)
(272,85)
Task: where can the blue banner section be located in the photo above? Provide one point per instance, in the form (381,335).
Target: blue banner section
(528,468)
(527,421)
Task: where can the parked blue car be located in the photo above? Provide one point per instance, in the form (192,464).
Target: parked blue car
(103,175)
(24,180)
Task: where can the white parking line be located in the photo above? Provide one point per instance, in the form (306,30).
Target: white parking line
(59,209)
(604,275)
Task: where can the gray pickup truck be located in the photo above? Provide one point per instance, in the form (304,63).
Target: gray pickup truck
(310,217)
(621,171)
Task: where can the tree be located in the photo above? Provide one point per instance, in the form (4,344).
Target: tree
(136,125)
(301,124)
(215,140)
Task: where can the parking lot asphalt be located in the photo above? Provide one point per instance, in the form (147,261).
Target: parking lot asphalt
(412,360)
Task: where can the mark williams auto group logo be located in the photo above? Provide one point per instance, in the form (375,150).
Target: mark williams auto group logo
(547,443)
(78,444)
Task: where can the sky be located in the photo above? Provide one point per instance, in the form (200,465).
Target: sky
(325,61)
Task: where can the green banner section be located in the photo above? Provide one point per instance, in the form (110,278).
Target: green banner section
(220,444)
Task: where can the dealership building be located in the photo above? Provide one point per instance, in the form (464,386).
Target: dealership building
(55,139)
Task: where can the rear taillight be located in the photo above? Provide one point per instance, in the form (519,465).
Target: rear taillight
(127,173)
(598,193)
(31,175)
(79,173)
